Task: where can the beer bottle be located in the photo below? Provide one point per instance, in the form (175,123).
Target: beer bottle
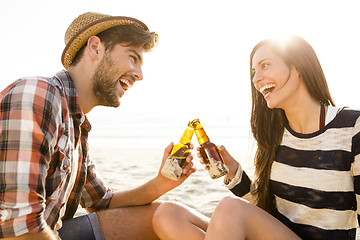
(209,152)
(174,164)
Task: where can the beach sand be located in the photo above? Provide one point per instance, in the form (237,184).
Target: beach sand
(127,152)
(127,168)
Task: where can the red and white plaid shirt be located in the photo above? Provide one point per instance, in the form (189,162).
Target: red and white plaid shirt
(45,170)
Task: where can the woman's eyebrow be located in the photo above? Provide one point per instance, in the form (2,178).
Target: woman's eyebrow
(263,60)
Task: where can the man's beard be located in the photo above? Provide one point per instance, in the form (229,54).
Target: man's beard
(103,84)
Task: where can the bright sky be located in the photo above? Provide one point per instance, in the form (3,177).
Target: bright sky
(202,62)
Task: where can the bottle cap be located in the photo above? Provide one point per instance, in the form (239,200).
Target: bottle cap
(200,132)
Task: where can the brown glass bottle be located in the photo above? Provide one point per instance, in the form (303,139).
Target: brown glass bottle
(209,152)
(174,164)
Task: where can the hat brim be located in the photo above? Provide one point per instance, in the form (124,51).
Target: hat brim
(92,29)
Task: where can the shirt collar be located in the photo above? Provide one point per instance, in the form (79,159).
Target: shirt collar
(70,93)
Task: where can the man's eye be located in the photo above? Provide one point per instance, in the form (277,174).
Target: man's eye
(133,58)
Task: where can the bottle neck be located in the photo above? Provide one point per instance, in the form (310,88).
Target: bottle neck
(186,137)
(201,136)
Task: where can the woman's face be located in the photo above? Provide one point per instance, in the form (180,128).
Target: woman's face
(276,81)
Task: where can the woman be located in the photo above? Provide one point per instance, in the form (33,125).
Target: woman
(307,163)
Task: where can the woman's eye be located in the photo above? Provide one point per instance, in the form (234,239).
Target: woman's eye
(265,65)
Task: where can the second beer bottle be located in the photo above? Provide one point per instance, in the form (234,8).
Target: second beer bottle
(209,152)
(174,164)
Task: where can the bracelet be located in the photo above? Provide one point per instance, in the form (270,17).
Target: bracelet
(236,180)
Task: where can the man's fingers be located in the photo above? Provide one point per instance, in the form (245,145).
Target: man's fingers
(168,149)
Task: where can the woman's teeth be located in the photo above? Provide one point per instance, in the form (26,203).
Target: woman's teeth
(266,87)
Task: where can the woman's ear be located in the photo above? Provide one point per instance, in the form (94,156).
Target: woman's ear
(93,47)
(295,70)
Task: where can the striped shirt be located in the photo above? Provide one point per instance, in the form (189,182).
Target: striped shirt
(45,170)
(316,179)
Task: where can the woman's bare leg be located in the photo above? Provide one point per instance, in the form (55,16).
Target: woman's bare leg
(177,221)
(235,218)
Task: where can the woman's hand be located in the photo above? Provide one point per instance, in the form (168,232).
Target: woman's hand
(230,162)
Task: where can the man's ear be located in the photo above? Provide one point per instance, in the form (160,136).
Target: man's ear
(93,47)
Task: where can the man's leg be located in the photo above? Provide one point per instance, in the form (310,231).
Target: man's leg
(84,227)
(128,222)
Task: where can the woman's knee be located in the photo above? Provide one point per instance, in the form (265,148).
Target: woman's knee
(230,206)
(165,213)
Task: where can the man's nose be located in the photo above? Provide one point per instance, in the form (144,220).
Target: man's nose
(138,74)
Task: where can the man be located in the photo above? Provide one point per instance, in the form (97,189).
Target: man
(45,170)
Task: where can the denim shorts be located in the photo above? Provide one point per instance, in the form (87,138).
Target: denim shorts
(83,227)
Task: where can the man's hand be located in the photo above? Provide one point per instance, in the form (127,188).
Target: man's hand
(187,170)
(154,188)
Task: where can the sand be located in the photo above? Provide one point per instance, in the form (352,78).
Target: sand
(127,168)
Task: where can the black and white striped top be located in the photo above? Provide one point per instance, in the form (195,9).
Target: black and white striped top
(316,179)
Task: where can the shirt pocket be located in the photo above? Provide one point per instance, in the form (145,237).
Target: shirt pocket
(65,163)
(62,168)
(64,154)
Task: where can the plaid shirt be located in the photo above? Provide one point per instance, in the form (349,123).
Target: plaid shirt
(45,170)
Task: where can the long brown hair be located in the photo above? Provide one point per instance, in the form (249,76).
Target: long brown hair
(267,124)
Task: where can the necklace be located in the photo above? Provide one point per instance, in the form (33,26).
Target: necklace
(322,117)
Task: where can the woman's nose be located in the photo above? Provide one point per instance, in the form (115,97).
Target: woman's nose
(256,77)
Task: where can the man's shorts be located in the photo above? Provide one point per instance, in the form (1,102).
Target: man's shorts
(81,228)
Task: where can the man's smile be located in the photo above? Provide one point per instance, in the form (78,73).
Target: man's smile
(126,83)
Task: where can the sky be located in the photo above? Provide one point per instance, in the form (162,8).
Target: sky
(201,65)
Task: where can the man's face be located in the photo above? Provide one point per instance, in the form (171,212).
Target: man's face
(116,73)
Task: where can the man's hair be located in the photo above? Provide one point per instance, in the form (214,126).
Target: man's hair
(126,35)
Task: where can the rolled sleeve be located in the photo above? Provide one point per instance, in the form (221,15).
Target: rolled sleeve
(96,194)
(240,184)
(243,187)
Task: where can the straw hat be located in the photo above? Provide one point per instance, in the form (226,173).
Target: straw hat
(87,25)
